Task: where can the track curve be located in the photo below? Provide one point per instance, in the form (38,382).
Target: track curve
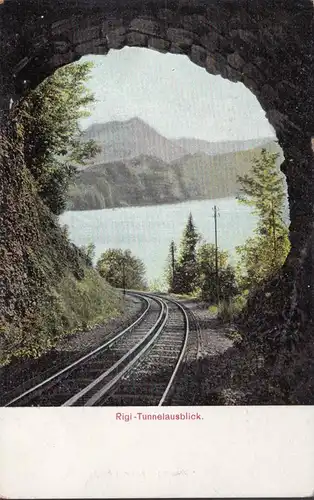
(138,366)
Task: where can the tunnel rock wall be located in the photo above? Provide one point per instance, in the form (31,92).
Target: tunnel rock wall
(266,45)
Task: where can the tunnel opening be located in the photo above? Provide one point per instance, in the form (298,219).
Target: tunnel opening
(151,131)
(240,42)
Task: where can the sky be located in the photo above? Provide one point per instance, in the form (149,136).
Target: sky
(173,95)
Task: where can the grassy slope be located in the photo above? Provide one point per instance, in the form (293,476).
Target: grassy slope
(87,302)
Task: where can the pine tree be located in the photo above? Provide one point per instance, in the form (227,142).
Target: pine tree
(171,268)
(187,263)
(263,190)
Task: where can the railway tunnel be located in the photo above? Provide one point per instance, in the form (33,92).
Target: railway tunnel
(266,45)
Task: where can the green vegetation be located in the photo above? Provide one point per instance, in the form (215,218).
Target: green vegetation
(88,252)
(262,256)
(60,295)
(122,269)
(229,310)
(53,142)
(213,309)
(85,303)
(50,288)
(185,274)
(171,267)
(207,274)
(157,285)
(193,272)
(70,305)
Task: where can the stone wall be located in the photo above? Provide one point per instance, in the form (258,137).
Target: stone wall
(267,45)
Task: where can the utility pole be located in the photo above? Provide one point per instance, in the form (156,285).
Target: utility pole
(123,275)
(172,262)
(216,214)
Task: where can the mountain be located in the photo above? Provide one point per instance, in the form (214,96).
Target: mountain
(147,180)
(122,140)
(130,139)
(138,166)
(217,148)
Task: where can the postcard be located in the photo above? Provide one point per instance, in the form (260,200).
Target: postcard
(156,250)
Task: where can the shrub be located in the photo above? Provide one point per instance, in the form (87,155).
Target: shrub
(229,310)
(122,269)
(213,309)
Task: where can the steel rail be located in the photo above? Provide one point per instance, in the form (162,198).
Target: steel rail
(182,353)
(163,316)
(106,389)
(130,358)
(79,361)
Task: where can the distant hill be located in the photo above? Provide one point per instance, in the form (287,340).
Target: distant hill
(130,139)
(216,176)
(218,148)
(149,180)
(122,140)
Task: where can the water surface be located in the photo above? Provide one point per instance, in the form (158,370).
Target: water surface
(148,231)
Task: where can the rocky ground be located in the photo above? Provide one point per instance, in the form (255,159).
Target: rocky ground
(222,373)
(207,365)
(26,373)
(226,372)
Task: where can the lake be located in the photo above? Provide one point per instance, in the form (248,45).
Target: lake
(148,231)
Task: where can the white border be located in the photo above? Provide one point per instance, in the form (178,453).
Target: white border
(86,452)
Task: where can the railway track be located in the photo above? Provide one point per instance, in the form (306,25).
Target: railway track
(138,366)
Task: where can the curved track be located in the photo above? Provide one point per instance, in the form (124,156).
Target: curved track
(137,366)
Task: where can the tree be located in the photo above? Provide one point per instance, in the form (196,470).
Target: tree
(171,272)
(206,267)
(88,252)
(263,190)
(157,285)
(186,270)
(122,269)
(53,144)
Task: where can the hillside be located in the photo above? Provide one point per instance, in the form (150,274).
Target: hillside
(193,146)
(141,181)
(50,290)
(129,139)
(212,177)
(122,140)
(147,180)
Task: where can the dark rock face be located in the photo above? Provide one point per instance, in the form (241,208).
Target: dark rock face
(266,45)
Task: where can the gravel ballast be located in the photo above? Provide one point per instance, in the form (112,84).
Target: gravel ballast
(22,374)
